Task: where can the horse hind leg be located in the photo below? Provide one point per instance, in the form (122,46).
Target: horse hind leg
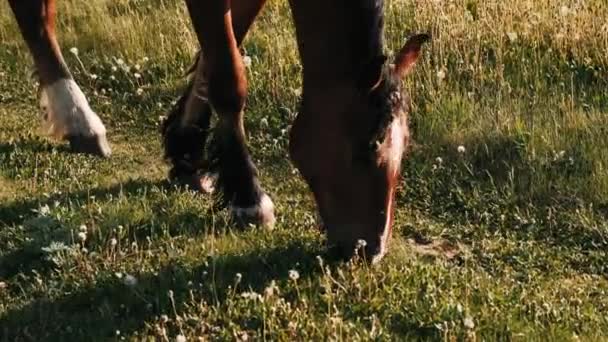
(66,112)
(185,132)
(227,89)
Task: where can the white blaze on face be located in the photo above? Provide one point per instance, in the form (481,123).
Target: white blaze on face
(391,150)
(66,111)
(386,231)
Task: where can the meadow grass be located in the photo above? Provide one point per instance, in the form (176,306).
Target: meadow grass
(505,240)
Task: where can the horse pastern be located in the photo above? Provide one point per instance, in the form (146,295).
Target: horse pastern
(66,114)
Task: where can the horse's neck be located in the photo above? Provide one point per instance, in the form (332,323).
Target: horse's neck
(335,40)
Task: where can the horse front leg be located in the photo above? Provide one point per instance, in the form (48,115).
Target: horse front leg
(224,71)
(65,110)
(186,129)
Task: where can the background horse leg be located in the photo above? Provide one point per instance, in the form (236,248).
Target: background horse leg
(186,129)
(66,111)
(224,71)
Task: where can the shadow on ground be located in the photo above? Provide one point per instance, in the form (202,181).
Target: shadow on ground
(109,305)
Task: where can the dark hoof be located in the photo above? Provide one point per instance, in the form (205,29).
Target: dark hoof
(261,214)
(95,145)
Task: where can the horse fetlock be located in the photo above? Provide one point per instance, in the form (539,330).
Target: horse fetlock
(260,214)
(66,114)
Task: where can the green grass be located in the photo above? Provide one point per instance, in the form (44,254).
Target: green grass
(507,241)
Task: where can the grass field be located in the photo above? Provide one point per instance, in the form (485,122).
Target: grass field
(506,241)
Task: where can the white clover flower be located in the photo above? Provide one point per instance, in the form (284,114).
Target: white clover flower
(441,75)
(112,78)
(113,242)
(164,318)
(137,75)
(145,59)
(93,76)
(247,61)
(74,51)
(82,236)
(129,280)
(82,228)
(44,210)
(180,338)
(120,62)
(139,91)
(512,36)
(114,68)
(461,149)
(468,323)
(294,275)
(439,160)
(137,67)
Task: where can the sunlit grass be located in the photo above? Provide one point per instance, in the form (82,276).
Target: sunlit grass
(501,228)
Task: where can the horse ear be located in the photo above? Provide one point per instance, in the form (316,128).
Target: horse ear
(406,58)
(372,73)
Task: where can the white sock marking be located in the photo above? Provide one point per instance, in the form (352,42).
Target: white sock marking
(66,111)
(264,211)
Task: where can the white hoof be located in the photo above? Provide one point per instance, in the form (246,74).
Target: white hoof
(66,114)
(260,214)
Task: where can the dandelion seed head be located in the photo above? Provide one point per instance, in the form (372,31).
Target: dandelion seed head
(461,149)
(294,275)
(82,236)
(74,51)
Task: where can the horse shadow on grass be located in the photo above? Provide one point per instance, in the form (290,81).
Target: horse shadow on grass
(101,310)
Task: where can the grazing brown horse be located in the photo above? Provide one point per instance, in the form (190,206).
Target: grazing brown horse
(347,141)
